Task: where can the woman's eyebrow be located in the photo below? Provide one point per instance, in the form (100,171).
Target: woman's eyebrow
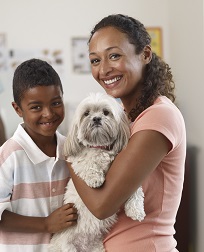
(107,49)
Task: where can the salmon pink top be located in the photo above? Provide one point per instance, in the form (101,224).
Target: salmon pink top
(162,189)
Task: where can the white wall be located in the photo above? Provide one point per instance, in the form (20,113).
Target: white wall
(35,24)
(31,24)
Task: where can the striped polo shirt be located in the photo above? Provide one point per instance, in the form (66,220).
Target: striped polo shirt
(31,184)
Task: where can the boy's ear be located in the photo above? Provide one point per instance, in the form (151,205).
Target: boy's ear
(147,54)
(17,109)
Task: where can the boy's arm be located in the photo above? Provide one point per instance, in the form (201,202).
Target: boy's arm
(12,222)
(60,219)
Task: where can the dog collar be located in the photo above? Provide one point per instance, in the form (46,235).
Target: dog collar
(101,147)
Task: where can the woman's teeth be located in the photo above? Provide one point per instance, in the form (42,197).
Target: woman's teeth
(108,82)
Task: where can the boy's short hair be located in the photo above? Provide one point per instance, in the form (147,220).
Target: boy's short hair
(32,73)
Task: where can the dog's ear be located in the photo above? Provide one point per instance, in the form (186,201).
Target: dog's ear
(72,146)
(123,134)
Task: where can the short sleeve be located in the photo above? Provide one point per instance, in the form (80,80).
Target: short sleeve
(164,118)
(6,180)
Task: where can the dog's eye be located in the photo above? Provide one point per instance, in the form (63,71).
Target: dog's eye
(86,113)
(106,112)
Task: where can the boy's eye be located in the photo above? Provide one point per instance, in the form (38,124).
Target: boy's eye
(57,103)
(35,108)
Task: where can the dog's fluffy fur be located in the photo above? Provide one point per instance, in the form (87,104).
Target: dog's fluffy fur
(100,130)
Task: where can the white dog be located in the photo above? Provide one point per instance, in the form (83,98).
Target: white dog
(100,130)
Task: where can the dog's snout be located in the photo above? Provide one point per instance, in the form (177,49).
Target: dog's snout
(97,120)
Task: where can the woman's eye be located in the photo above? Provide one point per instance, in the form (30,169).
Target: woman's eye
(105,112)
(94,61)
(114,56)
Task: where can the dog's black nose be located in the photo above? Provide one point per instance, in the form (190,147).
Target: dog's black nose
(97,120)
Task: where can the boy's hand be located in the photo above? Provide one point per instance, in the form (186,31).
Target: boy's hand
(61,218)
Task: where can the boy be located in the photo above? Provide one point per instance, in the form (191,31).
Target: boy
(33,172)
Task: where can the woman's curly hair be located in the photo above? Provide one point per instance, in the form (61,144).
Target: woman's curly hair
(158,79)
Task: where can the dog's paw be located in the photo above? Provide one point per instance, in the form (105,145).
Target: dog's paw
(135,214)
(95,179)
(134,207)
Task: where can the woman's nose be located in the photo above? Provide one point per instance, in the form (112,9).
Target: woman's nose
(105,68)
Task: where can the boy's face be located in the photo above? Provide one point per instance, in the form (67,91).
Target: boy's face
(42,110)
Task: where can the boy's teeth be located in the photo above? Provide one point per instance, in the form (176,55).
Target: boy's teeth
(108,82)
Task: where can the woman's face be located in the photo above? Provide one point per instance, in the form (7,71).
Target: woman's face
(115,65)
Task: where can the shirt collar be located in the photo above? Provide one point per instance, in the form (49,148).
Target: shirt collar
(32,150)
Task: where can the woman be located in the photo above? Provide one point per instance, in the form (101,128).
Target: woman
(124,65)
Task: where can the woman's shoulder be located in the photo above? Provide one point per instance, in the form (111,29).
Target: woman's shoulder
(162,103)
(163,110)
(164,117)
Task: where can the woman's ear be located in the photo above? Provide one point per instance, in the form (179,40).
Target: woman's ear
(17,109)
(147,54)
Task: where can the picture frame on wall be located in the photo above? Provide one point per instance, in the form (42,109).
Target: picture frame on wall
(156,37)
(81,62)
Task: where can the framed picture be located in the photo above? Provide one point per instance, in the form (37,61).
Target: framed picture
(156,36)
(81,63)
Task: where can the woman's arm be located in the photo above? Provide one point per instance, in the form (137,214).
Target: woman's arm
(144,152)
(60,219)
